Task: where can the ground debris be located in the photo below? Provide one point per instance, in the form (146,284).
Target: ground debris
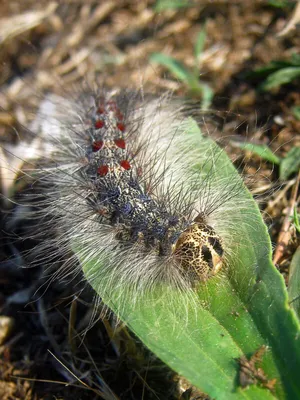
(251,374)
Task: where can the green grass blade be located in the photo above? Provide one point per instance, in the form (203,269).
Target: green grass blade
(177,69)
(191,80)
(294,282)
(290,163)
(261,150)
(280,77)
(207,95)
(162,5)
(296,219)
(280,3)
(240,310)
(199,46)
(296,112)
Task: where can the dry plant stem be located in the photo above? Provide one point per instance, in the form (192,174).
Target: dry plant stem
(250,372)
(71,327)
(285,235)
(293,22)
(18,24)
(6,118)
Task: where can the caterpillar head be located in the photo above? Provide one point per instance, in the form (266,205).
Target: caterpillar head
(199,251)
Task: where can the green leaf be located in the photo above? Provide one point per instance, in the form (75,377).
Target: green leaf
(296,112)
(162,5)
(275,65)
(266,70)
(207,96)
(176,68)
(281,77)
(294,282)
(199,46)
(280,3)
(261,150)
(290,164)
(180,72)
(295,219)
(295,60)
(201,334)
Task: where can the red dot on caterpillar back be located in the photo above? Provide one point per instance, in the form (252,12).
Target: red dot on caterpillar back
(125,164)
(120,143)
(98,145)
(121,126)
(101,110)
(102,170)
(99,124)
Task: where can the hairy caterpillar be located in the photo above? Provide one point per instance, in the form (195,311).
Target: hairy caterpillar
(121,183)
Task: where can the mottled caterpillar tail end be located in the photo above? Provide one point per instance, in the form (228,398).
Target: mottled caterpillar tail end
(199,251)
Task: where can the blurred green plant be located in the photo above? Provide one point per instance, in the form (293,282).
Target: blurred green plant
(276,73)
(260,150)
(162,5)
(290,163)
(294,280)
(296,112)
(281,3)
(287,165)
(190,78)
(295,219)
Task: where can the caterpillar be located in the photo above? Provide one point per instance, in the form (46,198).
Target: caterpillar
(120,182)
